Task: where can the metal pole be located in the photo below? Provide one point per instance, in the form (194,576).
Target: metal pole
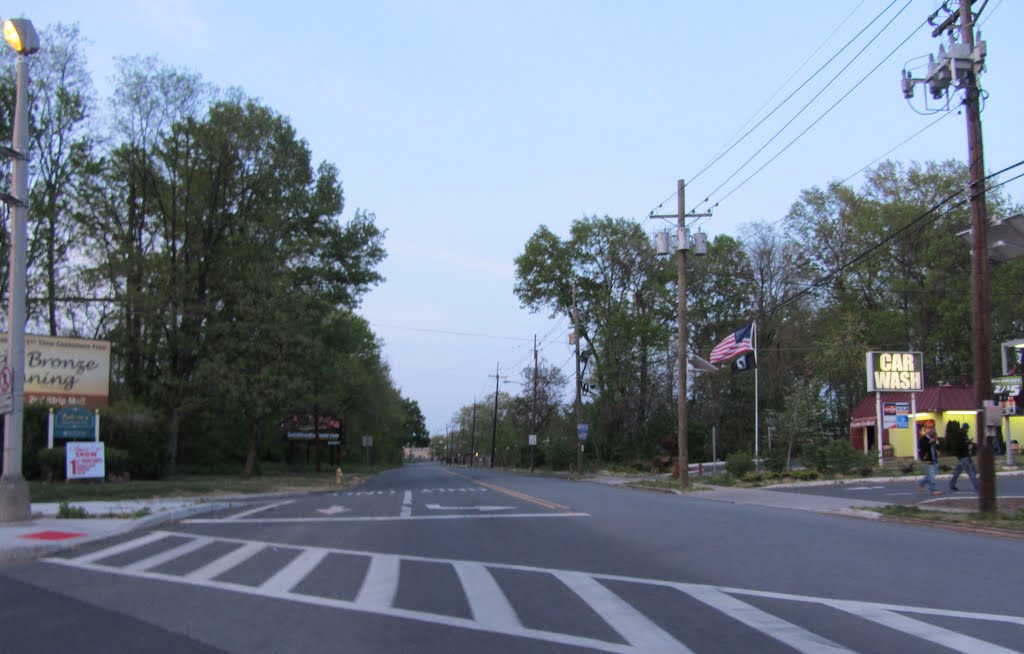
(684,456)
(494,432)
(757,404)
(714,448)
(15,505)
(472,436)
(913,420)
(980,330)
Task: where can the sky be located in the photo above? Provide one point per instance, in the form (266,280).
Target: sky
(465,125)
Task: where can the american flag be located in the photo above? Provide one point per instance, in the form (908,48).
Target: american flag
(733,345)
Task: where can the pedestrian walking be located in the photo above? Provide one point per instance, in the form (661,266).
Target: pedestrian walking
(928,446)
(960,446)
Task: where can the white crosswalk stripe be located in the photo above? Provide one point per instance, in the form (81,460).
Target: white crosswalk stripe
(491,608)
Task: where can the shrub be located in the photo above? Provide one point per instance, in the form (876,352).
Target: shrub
(51,463)
(139,432)
(776,459)
(65,510)
(739,464)
(835,457)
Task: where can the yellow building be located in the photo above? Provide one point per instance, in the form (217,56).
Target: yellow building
(936,404)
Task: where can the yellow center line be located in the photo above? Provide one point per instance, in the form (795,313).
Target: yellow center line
(508,491)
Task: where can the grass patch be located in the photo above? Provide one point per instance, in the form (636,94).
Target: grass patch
(1010,520)
(194,486)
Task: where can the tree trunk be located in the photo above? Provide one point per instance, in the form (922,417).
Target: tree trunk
(254,452)
(316,438)
(173,429)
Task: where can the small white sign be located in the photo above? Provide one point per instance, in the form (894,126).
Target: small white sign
(6,390)
(533,439)
(86,461)
(367,441)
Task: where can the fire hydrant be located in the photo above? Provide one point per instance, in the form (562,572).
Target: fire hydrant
(337,477)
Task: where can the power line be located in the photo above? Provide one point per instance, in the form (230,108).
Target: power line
(910,138)
(805,83)
(451,333)
(896,234)
(808,104)
(779,106)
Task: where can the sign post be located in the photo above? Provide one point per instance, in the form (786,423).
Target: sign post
(533,444)
(892,371)
(367,444)
(581,436)
(1006,391)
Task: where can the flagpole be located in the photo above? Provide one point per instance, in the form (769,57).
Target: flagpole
(757,403)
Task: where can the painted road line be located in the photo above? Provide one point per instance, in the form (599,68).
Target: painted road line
(123,547)
(785,632)
(221,565)
(487,602)
(169,555)
(259,509)
(381,582)
(522,496)
(406,505)
(289,576)
(923,630)
(384,518)
(332,510)
(635,628)
(438,507)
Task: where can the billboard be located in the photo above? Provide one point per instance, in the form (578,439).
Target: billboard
(64,371)
(895,371)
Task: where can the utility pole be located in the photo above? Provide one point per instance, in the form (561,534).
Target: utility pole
(472,436)
(682,247)
(533,413)
(979,270)
(684,452)
(579,385)
(959,67)
(494,432)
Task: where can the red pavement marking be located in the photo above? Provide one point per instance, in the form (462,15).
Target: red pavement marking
(52,535)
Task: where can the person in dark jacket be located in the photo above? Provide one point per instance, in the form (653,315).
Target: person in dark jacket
(928,447)
(960,446)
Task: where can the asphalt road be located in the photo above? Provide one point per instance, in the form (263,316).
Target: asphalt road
(424,559)
(905,491)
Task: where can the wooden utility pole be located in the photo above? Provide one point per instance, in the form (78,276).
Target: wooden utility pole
(579,385)
(472,436)
(536,372)
(494,432)
(982,334)
(684,457)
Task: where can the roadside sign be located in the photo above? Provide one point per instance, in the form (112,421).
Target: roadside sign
(367,441)
(85,461)
(74,423)
(6,390)
(1006,391)
(533,439)
(581,431)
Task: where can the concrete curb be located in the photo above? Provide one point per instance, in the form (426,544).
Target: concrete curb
(38,550)
(967,529)
(867,480)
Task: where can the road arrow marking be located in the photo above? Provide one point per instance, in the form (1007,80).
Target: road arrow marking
(438,507)
(331,510)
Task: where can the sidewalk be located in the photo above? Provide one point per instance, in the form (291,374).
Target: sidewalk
(46,534)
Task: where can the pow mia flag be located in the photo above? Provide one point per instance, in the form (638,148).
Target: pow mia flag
(744,363)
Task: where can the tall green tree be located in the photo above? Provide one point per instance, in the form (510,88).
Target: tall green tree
(625,309)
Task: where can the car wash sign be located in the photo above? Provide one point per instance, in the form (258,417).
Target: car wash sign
(895,371)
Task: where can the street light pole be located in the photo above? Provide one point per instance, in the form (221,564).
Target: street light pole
(14,496)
